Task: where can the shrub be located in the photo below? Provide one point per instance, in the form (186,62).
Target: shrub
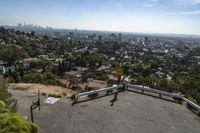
(43,94)
(100,76)
(110,83)
(13,123)
(54,95)
(73,96)
(41,78)
(6,97)
(109,92)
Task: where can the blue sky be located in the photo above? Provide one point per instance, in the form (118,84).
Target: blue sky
(151,16)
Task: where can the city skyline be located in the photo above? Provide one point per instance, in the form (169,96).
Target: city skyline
(145,16)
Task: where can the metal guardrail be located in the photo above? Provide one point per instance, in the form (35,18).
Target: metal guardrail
(164,93)
(131,87)
(97,91)
(192,104)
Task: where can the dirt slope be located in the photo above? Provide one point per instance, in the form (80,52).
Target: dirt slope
(44,89)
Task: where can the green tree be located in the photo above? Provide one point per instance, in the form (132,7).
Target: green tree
(42,78)
(11,54)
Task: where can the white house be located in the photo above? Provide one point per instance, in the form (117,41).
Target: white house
(5,67)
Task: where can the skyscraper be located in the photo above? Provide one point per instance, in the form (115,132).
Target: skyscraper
(120,37)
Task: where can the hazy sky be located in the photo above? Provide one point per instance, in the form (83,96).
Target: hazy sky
(154,16)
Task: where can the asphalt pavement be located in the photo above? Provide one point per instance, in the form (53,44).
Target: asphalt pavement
(125,112)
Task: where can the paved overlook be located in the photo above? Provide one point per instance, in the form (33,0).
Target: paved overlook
(126,112)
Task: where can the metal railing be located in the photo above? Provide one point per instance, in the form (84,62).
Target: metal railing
(97,91)
(164,93)
(131,87)
(193,105)
(143,88)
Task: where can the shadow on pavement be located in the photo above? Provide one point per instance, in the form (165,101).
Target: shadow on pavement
(94,98)
(114,99)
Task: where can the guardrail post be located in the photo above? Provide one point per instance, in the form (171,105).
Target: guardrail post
(76,97)
(31,113)
(160,95)
(39,99)
(125,86)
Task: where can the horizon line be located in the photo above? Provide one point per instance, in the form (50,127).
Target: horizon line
(97,30)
